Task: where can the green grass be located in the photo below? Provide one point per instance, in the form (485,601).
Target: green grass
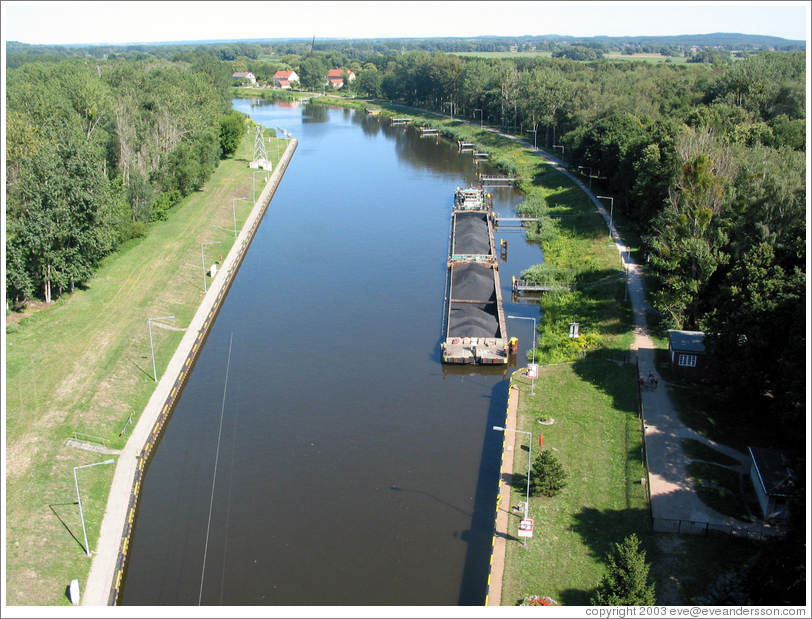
(596,437)
(84,365)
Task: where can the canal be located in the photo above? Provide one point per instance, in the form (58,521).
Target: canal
(320,453)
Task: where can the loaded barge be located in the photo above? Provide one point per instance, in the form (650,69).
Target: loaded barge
(475,319)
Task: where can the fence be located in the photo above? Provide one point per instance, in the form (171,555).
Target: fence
(705,529)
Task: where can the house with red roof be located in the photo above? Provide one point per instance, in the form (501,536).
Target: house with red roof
(283,79)
(335,77)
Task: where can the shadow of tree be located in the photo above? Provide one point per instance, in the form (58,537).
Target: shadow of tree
(617,381)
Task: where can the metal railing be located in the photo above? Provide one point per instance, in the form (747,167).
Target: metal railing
(706,529)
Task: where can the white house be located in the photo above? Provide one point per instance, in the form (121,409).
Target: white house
(335,77)
(244,75)
(283,79)
(773,475)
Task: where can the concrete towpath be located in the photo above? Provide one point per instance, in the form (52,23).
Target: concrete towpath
(503,508)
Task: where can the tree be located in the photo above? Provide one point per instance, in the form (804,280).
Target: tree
(689,238)
(369,82)
(312,74)
(626,581)
(547,477)
(232,129)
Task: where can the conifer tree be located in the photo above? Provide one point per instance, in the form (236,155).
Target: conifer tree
(547,476)
(626,580)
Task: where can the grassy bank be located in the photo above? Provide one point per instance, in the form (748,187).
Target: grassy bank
(84,365)
(596,437)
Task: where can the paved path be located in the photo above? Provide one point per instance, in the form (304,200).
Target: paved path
(503,507)
(103,569)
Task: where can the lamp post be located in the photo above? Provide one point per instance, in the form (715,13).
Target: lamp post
(586,167)
(480,116)
(203,260)
(234,213)
(254,178)
(533,378)
(529,460)
(611,210)
(79,497)
(151,347)
(535,134)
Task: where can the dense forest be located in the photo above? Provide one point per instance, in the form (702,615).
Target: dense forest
(98,150)
(709,160)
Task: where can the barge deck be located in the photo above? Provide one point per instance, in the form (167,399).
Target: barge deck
(475,330)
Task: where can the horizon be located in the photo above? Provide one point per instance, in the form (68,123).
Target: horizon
(429,38)
(80,23)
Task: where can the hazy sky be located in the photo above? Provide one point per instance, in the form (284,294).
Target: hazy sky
(135,22)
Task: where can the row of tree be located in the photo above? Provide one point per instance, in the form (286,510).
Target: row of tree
(96,151)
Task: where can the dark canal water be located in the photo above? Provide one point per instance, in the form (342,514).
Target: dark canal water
(320,453)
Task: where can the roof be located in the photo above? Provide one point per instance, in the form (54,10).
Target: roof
(338,72)
(284,83)
(775,469)
(282,75)
(242,74)
(688,341)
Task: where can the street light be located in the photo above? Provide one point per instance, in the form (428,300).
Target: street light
(533,378)
(152,348)
(480,116)
(254,179)
(529,460)
(79,498)
(203,260)
(234,213)
(535,134)
(586,167)
(611,210)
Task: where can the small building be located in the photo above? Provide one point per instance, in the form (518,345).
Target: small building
(283,79)
(773,475)
(688,357)
(335,77)
(244,75)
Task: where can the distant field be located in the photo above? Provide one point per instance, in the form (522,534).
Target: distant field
(502,54)
(608,56)
(648,57)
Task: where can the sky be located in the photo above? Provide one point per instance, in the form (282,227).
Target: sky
(67,22)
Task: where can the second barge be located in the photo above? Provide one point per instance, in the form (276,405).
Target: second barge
(475,320)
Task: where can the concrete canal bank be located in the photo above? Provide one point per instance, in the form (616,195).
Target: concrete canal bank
(106,574)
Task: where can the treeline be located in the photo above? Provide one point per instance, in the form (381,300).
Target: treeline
(96,150)
(17,52)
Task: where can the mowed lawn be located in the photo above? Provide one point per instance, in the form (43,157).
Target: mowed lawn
(84,365)
(596,437)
